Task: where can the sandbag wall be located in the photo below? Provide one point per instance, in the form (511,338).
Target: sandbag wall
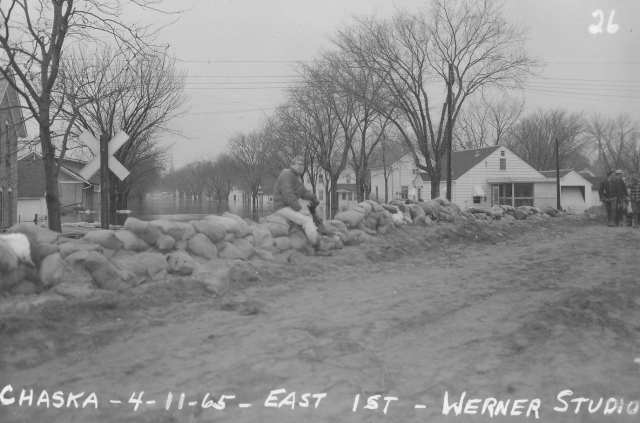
(35,260)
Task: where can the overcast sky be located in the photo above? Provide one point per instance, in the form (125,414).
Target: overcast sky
(239,54)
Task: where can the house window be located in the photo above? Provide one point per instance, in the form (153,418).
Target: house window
(376,191)
(522,195)
(477,200)
(503,163)
(234,197)
(414,171)
(320,195)
(321,178)
(404,192)
(348,176)
(344,196)
(515,195)
(270,199)
(350,196)
(502,153)
(419,193)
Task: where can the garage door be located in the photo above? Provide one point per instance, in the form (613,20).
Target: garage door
(572,197)
(28,208)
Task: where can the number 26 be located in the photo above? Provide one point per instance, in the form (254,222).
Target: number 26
(611,27)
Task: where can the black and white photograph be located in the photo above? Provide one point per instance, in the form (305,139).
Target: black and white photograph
(285,211)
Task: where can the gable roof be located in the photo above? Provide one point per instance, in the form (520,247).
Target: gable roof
(390,156)
(594,181)
(552,173)
(31,177)
(463,161)
(14,106)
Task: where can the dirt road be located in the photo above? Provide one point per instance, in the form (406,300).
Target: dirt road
(519,316)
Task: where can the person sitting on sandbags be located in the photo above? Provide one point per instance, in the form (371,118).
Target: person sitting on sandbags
(287,192)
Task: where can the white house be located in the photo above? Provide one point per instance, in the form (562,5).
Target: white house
(482,177)
(79,198)
(401,171)
(575,189)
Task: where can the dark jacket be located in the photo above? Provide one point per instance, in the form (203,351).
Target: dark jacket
(288,189)
(614,188)
(604,190)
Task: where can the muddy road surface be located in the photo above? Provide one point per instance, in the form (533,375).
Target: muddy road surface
(532,322)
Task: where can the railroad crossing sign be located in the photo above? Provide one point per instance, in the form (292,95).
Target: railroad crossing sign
(94,145)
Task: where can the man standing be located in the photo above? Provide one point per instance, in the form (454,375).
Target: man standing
(286,193)
(634,196)
(619,195)
(604,190)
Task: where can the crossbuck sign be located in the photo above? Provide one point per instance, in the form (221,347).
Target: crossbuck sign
(94,145)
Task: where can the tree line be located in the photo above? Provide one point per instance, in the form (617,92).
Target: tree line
(383,84)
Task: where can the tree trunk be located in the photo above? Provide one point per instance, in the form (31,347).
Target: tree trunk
(52,190)
(334,195)
(435,180)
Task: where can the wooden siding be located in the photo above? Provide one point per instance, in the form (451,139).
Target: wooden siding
(462,192)
(401,175)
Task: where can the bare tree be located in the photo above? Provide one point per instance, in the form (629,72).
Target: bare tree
(534,138)
(330,116)
(616,139)
(33,38)
(484,122)
(220,176)
(251,153)
(410,51)
(139,95)
(387,152)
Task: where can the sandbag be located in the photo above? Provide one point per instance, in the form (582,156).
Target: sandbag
(216,232)
(366,206)
(243,225)
(143,230)
(391,208)
(299,240)
(351,218)
(415,211)
(334,226)
(358,208)
(282,243)
(276,229)
(262,236)
(229,224)
(276,218)
(376,207)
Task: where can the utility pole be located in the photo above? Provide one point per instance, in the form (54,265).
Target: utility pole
(104,181)
(449,130)
(558,176)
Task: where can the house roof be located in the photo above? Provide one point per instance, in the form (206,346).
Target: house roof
(595,180)
(552,173)
(463,161)
(14,105)
(391,155)
(31,177)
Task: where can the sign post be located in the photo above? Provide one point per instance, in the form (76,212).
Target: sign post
(104,160)
(104,181)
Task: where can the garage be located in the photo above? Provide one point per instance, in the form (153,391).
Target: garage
(573,198)
(29,207)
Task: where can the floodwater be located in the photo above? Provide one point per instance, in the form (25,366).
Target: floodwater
(183,209)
